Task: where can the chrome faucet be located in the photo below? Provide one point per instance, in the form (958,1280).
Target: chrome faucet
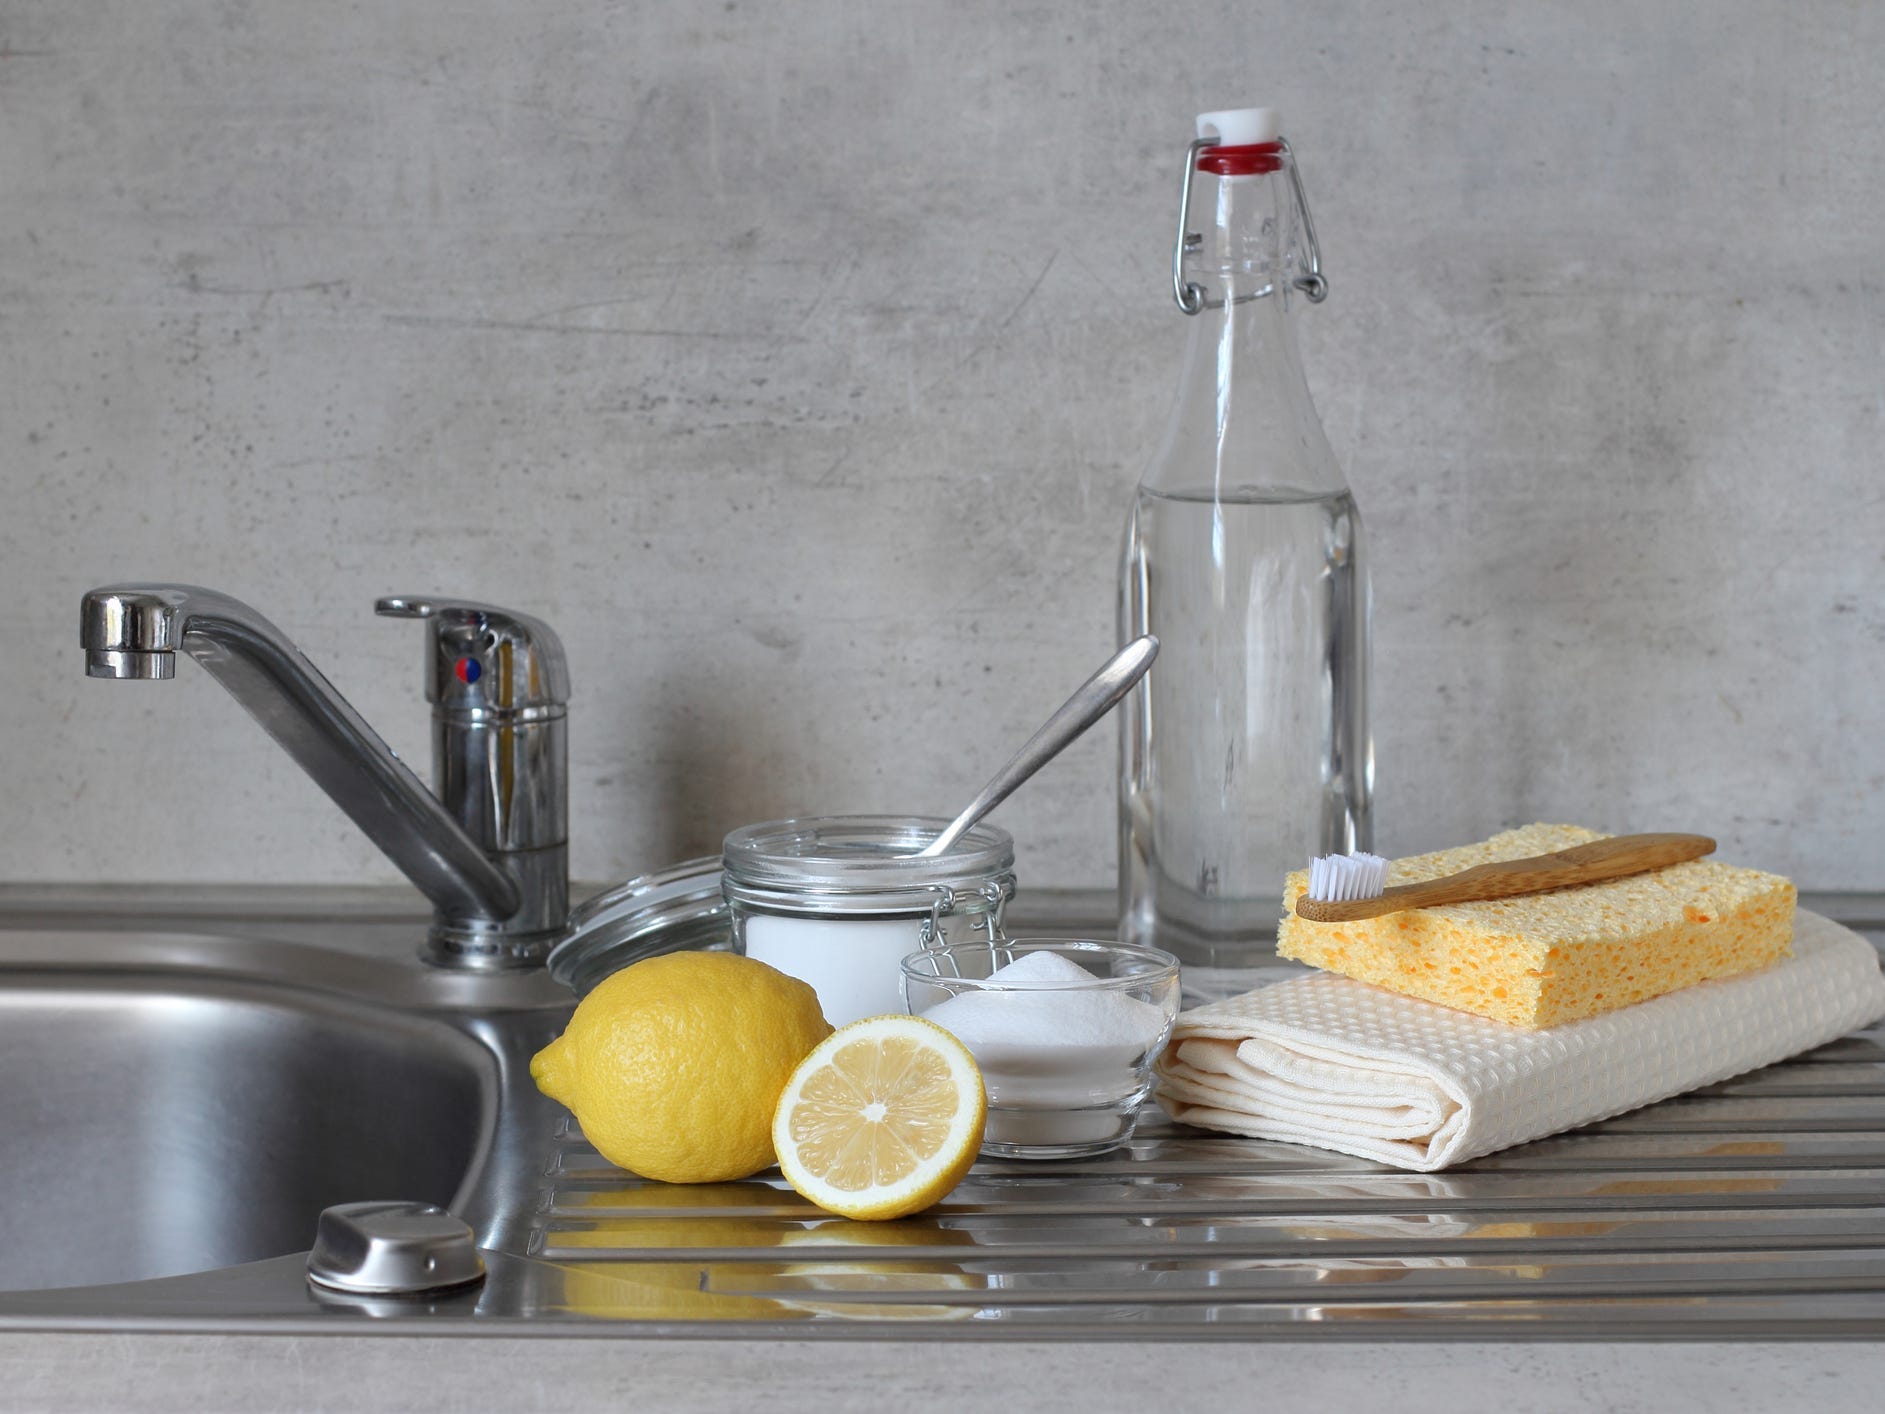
(491,848)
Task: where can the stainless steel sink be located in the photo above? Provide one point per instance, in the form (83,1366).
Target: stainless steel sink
(181,1095)
(177,1102)
(170,1123)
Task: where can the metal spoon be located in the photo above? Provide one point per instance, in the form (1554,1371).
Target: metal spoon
(1096,697)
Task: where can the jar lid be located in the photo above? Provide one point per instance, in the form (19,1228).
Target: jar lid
(862,864)
(677,909)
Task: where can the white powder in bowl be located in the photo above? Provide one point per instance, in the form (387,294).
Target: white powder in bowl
(1064,1062)
(1068,1010)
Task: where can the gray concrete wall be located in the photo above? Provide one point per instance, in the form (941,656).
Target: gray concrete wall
(798,362)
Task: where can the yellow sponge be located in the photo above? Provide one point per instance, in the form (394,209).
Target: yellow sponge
(1543,959)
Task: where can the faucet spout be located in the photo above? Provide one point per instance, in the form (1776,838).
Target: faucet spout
(136,631)
(128,663)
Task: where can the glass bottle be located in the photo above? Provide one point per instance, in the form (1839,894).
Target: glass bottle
(1246,749)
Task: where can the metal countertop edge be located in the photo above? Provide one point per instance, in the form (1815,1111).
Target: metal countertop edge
(1861,909)
(1610,1331)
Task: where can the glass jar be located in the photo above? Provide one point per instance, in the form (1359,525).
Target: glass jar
(840,901)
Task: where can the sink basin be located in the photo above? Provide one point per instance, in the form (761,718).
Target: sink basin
(164,1113)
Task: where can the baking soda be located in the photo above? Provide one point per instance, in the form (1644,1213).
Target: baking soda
(854,964)
(1058,1057)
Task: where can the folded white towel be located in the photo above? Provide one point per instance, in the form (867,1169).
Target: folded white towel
(1343,1065)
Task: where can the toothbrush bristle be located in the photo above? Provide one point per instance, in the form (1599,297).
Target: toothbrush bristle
(1340,878)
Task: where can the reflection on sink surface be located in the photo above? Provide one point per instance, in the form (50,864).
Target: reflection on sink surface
(173,1122)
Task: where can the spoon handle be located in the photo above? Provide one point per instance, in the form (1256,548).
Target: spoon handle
(1095,698)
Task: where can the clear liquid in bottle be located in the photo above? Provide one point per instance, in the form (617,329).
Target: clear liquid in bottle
(1247,749)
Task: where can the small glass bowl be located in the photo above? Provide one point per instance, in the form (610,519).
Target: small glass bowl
(1067,1062)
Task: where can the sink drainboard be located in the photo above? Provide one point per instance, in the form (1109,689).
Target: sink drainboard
(1753,1208)
(1756,1205)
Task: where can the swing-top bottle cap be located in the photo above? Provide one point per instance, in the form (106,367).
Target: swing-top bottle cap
(1241,127)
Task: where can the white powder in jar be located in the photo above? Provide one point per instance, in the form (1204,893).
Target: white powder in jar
(854,964)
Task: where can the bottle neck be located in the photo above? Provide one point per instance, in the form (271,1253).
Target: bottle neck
(1244,425)
(1246,251)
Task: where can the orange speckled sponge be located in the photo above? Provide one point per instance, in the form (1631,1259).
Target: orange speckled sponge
(1543,959)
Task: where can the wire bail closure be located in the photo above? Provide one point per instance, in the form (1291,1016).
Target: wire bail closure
(995,893)
(932,926)
(1190,295)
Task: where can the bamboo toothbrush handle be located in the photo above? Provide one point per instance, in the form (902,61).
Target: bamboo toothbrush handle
(1615,858)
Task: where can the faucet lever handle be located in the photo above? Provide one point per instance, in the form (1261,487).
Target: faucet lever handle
(483,658)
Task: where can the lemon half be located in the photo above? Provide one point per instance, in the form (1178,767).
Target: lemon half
(882,1119)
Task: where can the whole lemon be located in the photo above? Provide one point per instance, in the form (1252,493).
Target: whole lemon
(674,1066)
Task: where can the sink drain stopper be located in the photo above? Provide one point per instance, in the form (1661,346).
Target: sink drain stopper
(392,1249)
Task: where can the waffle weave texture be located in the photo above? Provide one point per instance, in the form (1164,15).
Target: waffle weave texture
(1343,1065)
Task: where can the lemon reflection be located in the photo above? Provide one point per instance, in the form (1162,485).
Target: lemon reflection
(748,1251)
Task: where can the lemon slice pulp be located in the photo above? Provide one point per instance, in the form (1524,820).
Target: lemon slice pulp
(882,1119)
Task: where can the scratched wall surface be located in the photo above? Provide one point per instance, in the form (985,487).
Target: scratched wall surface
(798,361)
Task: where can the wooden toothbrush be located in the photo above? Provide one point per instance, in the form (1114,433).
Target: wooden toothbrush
(1614,858)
